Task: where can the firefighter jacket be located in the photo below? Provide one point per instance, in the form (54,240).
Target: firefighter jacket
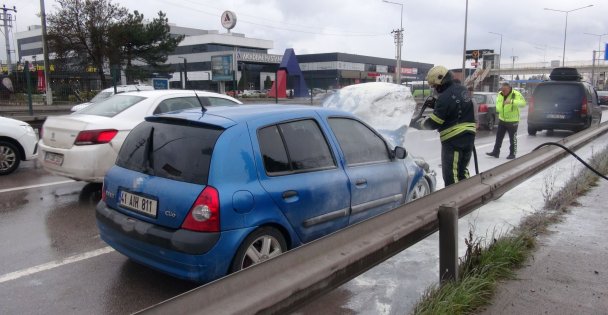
(453,114)
(509,112)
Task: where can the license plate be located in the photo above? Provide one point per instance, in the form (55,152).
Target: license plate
(556,116)
(53,158)
(138,203)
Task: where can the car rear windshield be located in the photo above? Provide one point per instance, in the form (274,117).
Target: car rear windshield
(101,96)
(112,106)
(551,94)
(479,98)
(176,150)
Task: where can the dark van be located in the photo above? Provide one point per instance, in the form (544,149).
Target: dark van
(564,102)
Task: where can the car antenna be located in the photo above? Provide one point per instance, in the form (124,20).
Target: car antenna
(203,109)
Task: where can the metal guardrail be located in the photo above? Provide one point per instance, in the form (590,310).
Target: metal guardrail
(287,282)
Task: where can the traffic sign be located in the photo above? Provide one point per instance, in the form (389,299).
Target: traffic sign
(606,52)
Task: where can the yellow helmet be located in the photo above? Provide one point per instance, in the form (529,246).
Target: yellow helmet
(436,75)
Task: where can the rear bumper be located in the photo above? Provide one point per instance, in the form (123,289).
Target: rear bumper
(482,118)
(188,242)
(200,257)
(86,163)
(541,125)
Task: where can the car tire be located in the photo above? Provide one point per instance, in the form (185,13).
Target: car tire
(9,158)
(531,131)
(491,122)
(261,245)
(421,189)
(90,194)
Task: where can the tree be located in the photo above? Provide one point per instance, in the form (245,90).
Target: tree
(148,43)
(79,31)
(267,83)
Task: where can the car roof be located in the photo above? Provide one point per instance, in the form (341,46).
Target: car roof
(129,87)
(155,93)
(223,115)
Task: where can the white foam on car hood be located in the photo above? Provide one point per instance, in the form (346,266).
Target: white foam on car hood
(387,107)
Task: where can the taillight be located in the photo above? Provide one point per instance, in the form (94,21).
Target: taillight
(103,192)
(531,105)
(87,137)
(204,215)
(584,107)
(483,108)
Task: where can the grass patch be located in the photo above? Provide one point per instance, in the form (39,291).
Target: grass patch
(487,262)
(480,270)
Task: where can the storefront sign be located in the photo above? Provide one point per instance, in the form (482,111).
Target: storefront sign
(160,84)
(409,70)
(221,68)
(381,69)
(258,57)
(228,20)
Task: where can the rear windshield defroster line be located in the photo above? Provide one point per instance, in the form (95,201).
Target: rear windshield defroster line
(174,151)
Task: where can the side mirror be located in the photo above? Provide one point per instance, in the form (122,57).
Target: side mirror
(400,153)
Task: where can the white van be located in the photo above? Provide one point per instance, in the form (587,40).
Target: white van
(104,94)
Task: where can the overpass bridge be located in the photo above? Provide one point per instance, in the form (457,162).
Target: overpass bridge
(584,67)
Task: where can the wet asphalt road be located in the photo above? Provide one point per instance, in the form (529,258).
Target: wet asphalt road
(53,262)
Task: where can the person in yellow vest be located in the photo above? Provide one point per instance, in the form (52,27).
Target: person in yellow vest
(508,105)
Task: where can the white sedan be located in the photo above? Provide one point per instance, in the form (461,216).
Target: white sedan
(84,145)
(17,143)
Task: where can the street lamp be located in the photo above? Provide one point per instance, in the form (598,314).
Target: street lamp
(185,72)
(499,53)
(599,48)
(464,47)
(566,28)
(398,42)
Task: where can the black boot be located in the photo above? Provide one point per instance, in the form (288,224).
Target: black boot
(511,156)
(492,154)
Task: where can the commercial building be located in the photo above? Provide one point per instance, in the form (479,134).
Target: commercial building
(205,59)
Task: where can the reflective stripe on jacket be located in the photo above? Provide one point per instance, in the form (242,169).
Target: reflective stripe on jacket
(453,114)
(510,112)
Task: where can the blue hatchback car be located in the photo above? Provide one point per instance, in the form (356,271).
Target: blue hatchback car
(199,194)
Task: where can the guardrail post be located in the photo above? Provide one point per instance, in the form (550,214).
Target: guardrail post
(448,243)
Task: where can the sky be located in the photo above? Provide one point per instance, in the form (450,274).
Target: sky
(433,29)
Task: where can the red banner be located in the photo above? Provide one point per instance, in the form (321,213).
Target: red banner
(41,81)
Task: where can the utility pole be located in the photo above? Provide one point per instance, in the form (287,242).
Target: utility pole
(45,53)
(398,42)
(7,20)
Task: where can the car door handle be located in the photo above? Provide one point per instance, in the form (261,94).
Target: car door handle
(289,194)
(361,182)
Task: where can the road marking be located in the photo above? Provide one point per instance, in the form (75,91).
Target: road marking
(54,264)
(491,144)
(36,186)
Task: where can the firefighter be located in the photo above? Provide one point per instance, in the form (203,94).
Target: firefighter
(508,103)
(454,117)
